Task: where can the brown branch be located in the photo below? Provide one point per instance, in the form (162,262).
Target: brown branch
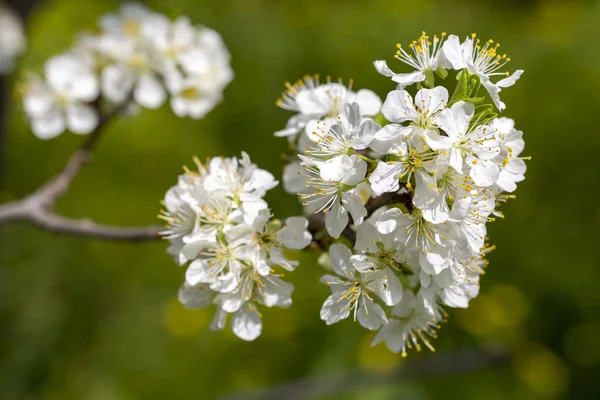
(461,362)
(37,208)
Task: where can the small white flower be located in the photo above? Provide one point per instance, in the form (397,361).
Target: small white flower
(314,101)
(470,150)
(471,214)
(407,161)
(62,100)
(434,192)
(198,296)
(263,241)
(334,182)
(350,133)
(422,114)
(12,39)
(134,72)
(429,243)
(127,22)
(253,288)
(240,180)
(483,61)
(426,58)
(512,167)
(353,291)
(411,326)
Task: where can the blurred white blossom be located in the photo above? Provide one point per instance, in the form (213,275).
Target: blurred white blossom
(12,39)
(139,56)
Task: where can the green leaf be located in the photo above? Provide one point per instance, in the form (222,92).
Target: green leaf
(429,79)
(475,100)
(441,72)
(461,91)
(483,114)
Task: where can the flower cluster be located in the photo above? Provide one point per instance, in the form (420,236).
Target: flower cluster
(140,57)
(218,222)
(12,39)
(406,196)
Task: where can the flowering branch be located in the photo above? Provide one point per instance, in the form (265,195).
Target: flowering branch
(37,208)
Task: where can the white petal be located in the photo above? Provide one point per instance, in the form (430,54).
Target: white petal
(149,92)
(432,99)
(385,178)
(49,125)
(368,101)
(354,205)
(336,220)
(198,272)
(453,52)
(335,308)
(339,256)
(81,118)
(246,323)
(198,296)
(484,173)
(510,80)
(37,103)
(409,79)
(370,315)
(117,82)
(382,67)
(399,107)
(295,235)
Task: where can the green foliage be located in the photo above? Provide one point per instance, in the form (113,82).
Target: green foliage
(467,88)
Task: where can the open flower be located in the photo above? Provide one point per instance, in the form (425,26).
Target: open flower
(483,61)
(334,182)
(512,166)
(422,114)
(314,101)
(411,325)
(425,59)
(12,39)
(353,291)
(62,100)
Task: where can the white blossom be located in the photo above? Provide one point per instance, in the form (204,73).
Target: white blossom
(218,221)
(483,61)
(334,182)
(411,325)
(63,99)
(425,59)
(313,101)
(12,39)
(352,291)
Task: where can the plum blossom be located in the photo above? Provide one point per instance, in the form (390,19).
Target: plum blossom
(426,58)
(62,100)
(313,101)
(12,39)
(218,222)
(483,61)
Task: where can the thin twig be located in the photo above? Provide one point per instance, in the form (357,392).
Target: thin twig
(37,208)
(426,367)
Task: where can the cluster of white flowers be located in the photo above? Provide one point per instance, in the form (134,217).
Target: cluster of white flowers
(138,55)
(12,39)
(217,220)
(443,164)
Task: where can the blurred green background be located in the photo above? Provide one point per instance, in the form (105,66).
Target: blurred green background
(85,319)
